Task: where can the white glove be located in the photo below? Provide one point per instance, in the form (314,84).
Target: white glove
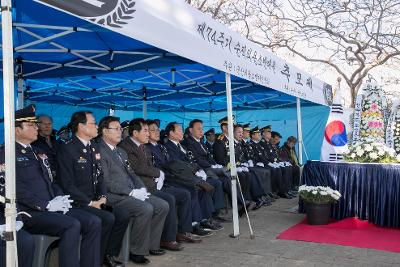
(214,166)
(251,164)
(140,194)
(245,164)
(202,175)
(239,169)
(260,164)
(245,169)
(220,166)
(59,203)
(18,226)
(160,180)
(288,163)
(282,164)
(273,165)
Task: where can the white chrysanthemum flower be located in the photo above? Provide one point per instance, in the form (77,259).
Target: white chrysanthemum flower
(315,192)
(381,153)
(368,148)
(398,157)
(373,155)
(323,193)
(360,152)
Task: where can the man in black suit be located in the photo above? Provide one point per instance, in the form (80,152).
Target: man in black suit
(80,174)
(40,196)
(178,152)
(193,142)
(184,208)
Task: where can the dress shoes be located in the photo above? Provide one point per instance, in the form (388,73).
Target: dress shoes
(220,218)
(139,259)
(211,225)
(199,231)
(287,196)
(258,205)
(188,238)
(156,252)
(273,195)
(110,261)
(171,245)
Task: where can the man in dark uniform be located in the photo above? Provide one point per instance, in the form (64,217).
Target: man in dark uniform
(246,132)
(273,161)
(80,174)
(46,142)
(275,139)
(25,242)
(178,152)
(210,139)
(125,129)
(39,195)
(256,176)
(221,156)
(204,159)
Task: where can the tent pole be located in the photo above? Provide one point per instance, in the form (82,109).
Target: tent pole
(145,109)
(8,86)
(299,131)
(232,155)
(21,96)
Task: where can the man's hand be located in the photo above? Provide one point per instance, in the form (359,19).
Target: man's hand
(96,204)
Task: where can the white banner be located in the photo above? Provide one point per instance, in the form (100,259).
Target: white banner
(391,124)
(178,28)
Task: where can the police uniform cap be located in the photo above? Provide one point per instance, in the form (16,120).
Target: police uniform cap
(209,132)
(246,126)
(26,114)
(255,130)
(224,120)
(125,124)
(268,127)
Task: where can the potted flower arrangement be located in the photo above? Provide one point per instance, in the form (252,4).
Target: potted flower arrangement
(371,152)
(318,200)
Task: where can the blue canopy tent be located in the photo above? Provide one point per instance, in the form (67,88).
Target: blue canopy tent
(64,60)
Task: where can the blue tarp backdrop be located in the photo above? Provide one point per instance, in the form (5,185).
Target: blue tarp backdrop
(282,120)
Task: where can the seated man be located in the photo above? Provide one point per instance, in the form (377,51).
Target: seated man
(25,242)
(182,195)
(210,139)
(40,196)
(275,139)
(124,191)
(272,157)
(193,142)
(178,153)
(80,174)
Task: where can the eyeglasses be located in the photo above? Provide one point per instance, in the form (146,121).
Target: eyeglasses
(31,124)
(116,128)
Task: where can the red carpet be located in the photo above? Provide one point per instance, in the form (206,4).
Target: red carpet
(348,232)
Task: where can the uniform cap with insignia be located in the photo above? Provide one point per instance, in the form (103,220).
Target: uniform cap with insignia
(268,127)
(125,124)
(209,132)
(26,114)
(246,127)
(224,120)
(255,130)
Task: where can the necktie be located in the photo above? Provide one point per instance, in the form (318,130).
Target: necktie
(143,149)
(118,155)
(181,148)
(30,150)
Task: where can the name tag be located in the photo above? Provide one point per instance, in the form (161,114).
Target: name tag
(82,160)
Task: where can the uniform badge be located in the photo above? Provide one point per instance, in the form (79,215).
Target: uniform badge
(84,150)
(23,151)
(93,149)
(82,160)
(97,155)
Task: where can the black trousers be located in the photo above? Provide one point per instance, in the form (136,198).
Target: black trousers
(179,218)
(113,226)
(69,228)
(26,248)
